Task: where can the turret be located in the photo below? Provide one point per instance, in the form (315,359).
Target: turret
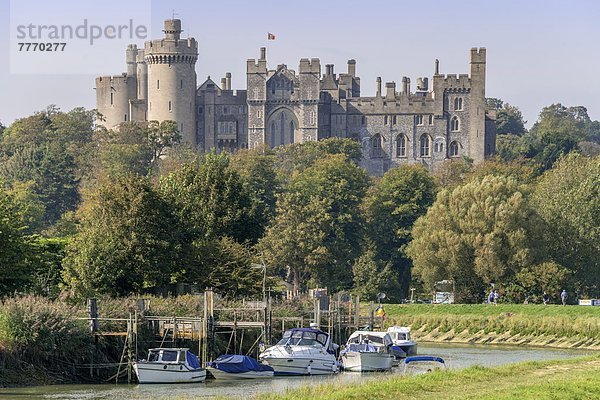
(477,137)
(142,76)
(172,79)
(131,59)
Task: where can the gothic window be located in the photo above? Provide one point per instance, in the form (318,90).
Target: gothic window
(312,118)
(200,110)
(158,84)
(437,147)
(401,146)
(424,145)
(282,126)
(431,120)
(364,120)
(385,120)
(170,107)
(453,149)
(111,99)
(272,134)
(458,103)
(181,84)
(394,120)
(225,110)
(125,117)
(292,132)
(419,119)
(454,124)
(376,146)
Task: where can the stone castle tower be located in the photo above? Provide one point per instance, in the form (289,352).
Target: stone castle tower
(281,106)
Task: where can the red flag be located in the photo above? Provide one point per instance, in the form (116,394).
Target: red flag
(270,36)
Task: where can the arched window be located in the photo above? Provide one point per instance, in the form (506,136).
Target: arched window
(453,149)
(282,129)
(401,146)
(272,134)
(454,124)
(424,145)
(458,103)
(376,148)
(291,131)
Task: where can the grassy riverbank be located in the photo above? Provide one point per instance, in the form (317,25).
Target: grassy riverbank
(565,379)
(551,325)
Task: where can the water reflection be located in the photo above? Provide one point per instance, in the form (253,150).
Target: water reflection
(456,356)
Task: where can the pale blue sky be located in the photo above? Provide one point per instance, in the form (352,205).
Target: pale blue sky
(539,52)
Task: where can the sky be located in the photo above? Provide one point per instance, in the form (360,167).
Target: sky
(538,52)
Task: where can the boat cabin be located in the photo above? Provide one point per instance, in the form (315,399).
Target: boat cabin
(304,337)
(399,333)
(368,337)
(173,356)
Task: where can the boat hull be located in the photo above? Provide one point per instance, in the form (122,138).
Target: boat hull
(367,361)
(409,348)
(302,366)
(222,375)
(167,373)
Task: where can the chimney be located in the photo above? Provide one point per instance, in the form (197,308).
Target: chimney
(352,68)
(223,84)
(378,87)
(404,86)
(437,66)
(329,69)
(228,81)
(263,53)
(390,90)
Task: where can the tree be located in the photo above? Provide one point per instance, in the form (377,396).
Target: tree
(397,200)
(162,136)
(210,200)
(475,234)
(318,225)
(14,248)
(373,276)
(509,119)
(295,240)
(127,240)
(567,198)
(257,170)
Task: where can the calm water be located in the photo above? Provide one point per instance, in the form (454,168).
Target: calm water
(456,356)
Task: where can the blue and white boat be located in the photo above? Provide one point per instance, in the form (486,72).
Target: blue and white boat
(302,351)
(235,366)
(423,364)
(169,366)
(367,351)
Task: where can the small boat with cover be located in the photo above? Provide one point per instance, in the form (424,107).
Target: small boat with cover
(235,366)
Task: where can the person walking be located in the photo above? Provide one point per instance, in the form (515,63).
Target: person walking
(545,298)
(491,297)
(563,297)
(496,297)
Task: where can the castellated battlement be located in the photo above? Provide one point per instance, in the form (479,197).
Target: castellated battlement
(168,46)
(478,55)
(457,81)
(115,81)
(312,66)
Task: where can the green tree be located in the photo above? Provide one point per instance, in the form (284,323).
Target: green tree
(373,276)
(210,200)
(509,119)
(397,200)
(127,240)
(13,246)
(328,245)
(257,170)
(295,240)
(568,199)
(162,136)
(475,234)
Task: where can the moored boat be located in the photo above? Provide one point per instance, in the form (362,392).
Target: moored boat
(234,366)
(166,365)
(367,351)
(302,351)
(401,337)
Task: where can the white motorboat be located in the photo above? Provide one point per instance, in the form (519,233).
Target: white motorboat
(169,366)
(234,366)
(302,351)
(401,337)
(368,351)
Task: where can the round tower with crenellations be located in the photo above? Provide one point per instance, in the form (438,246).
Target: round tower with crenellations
(171,64)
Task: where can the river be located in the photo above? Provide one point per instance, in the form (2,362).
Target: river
(456,356)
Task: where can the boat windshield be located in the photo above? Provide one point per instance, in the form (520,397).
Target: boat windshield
(302,338)
(367,339)
(153,355)
(169,355)
(401,336)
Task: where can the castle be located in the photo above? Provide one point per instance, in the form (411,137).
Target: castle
(444,120)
